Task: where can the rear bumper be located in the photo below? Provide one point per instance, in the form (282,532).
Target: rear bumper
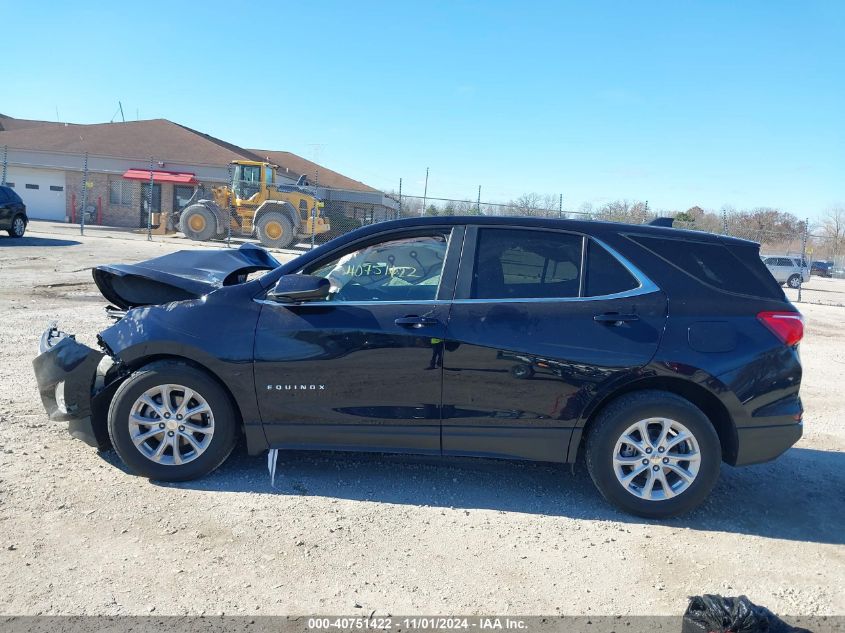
(65,372)
(763,443)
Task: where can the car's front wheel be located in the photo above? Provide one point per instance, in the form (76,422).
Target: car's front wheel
(172,422)
(653,453)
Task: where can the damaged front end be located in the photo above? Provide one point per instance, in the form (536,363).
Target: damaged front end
(179,276)
(72,380)
(77,382)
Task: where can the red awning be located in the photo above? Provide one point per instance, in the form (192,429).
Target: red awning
(161,176)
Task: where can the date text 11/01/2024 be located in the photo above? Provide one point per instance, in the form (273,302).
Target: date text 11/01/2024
(417,623)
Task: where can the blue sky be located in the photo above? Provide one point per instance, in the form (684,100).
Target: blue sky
(677,103)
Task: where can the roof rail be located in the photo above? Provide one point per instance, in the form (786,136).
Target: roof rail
(662,222)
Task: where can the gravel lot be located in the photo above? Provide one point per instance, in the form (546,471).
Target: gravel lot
(357,534)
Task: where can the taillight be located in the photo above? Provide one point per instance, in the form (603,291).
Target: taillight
(787,326)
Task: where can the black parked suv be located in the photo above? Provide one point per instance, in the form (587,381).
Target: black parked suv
(822,269)
(13,218)
(654,353)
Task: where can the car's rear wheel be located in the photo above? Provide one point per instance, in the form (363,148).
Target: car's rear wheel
(653,453)
(18,227)
(172,422)
(794,281)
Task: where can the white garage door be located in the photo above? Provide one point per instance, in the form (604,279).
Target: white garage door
(42,190)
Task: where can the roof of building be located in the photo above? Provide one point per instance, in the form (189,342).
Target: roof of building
(162,140)
(10,123)
(295,166)
(157,138)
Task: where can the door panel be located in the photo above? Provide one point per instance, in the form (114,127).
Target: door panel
(347,376)
(5,210)
(528,348)
(517,376)
(363,369)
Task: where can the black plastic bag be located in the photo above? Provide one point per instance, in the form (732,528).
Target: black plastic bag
(718,614)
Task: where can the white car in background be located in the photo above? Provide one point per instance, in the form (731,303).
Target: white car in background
(787,269)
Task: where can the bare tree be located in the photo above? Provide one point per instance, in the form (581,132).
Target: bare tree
(833,227)
(528,204)
(624,211)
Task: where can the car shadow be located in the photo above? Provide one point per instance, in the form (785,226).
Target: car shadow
(796,497)
(37,241)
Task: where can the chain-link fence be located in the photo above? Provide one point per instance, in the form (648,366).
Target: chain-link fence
(255,201)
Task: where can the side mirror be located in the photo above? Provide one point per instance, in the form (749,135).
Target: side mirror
(298,288)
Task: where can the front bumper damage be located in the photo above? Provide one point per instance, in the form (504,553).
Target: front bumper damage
(69,375)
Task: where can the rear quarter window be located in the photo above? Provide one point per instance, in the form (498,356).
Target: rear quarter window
(738,270)
(605,274)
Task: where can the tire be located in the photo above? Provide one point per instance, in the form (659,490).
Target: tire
(198,223)
(522,371)
(605,443)
(275,230)
(18,226)
(794,281)
(220,420)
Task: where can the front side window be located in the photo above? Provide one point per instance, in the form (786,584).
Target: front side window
(526,264)
(406,269)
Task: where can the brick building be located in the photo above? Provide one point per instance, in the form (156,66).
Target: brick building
(44,164)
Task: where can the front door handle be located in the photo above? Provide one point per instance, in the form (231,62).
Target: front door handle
(614,318)
(416,322)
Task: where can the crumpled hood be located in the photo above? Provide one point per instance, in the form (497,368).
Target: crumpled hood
(179,276)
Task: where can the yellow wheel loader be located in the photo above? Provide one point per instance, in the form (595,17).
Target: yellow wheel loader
(254,205)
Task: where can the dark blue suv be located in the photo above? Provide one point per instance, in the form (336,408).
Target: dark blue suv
(654,353)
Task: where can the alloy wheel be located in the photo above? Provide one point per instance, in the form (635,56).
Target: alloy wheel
(656,459)
(171,424)
(18,226)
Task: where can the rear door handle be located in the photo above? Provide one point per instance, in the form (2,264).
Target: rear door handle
(413,321)
(614,318)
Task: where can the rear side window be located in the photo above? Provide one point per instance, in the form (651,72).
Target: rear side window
(605,275)
(526,264)
(734,269)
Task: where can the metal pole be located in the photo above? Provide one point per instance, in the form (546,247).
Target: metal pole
(399,212)
(724,222)
(84,194)
(229,209)
(803,256)
(150,204)
(478,201)
(425,192)
(5,163)
(314,208)
(560,206)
